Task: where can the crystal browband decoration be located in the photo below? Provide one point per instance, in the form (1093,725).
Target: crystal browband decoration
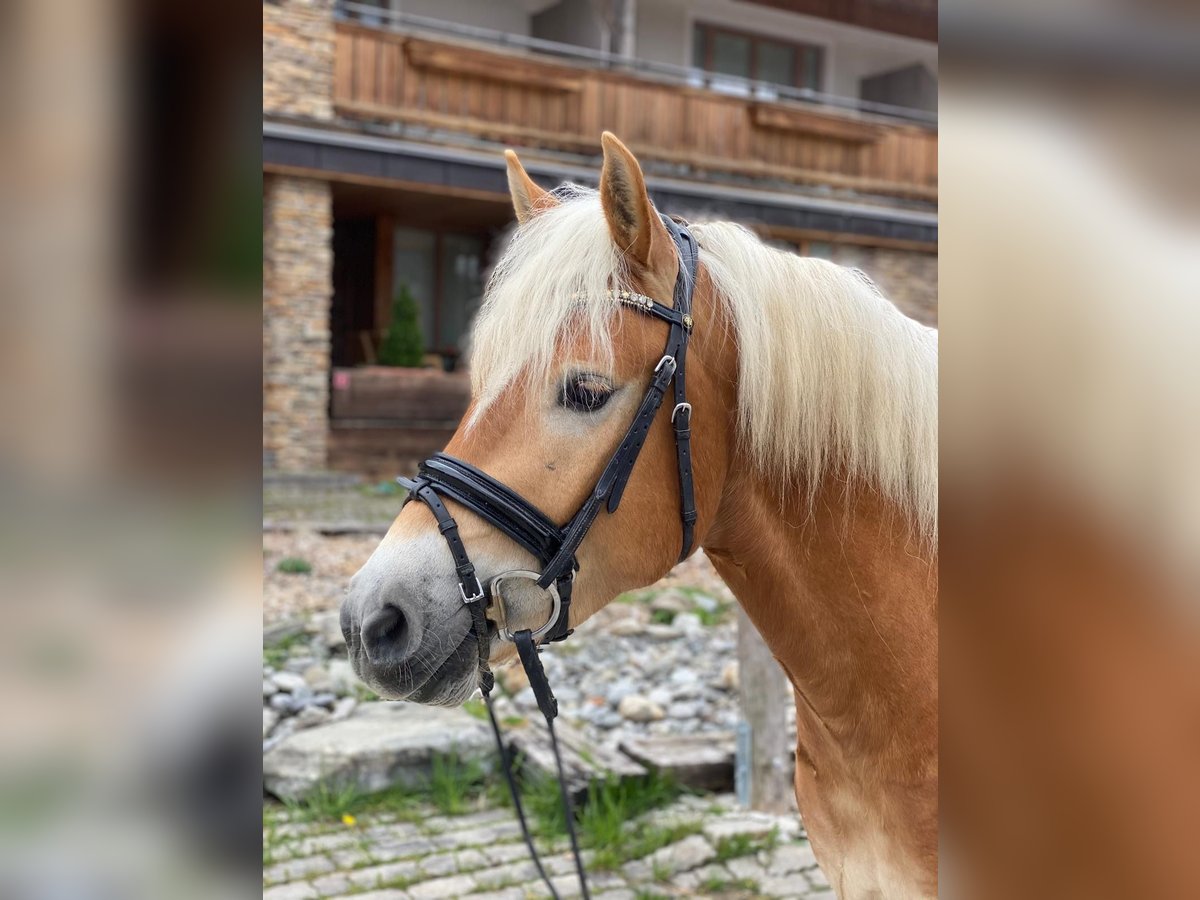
(641,301)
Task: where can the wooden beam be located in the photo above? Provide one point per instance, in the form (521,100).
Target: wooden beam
(764,698)
(803,122)
(495,67)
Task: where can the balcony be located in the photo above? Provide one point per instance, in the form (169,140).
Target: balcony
(518,91)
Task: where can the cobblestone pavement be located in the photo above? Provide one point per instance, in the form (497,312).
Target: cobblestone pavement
(717,851)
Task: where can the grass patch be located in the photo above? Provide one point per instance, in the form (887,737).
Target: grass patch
(662,616)
(607,821)
(279,653)
(643,894)
(455,783)
(294,565)
(326,804)
(736,845)
(718,885)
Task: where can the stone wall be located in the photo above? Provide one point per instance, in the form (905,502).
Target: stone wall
(297,291)
(298,58)
(908,278)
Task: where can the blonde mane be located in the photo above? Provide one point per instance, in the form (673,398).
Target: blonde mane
(831,374)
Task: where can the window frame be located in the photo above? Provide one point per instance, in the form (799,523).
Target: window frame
(801,48)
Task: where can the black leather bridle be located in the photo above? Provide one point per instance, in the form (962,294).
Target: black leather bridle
(443,476)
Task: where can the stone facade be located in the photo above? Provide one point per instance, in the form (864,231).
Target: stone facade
(297,291)
(298,58)
(908,278)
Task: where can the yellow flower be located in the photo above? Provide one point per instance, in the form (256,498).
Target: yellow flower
(348,819)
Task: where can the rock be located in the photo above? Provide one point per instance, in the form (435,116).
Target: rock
(327,700)
(609,719)
(283,703)
(690,853)
(673,602)
(620,689)
(637,708)
(317,678)
(750,825)
(342,680)
(791,858)
(700,761)
(379,746)
(297,664)
(685,677)
(729,677)
(342,708)
(311,716)
(685,710)
(661,632)
(270,720)
(328,628)
(584,761)
(274,635)
(661,695)
(290,682)
(687,623)
(269,688)
(626,628)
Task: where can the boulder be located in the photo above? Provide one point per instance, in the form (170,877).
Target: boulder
(327,626)
(378,746)
(637,708)
(702,761)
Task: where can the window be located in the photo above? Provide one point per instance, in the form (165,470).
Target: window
(729,52)
(444,273)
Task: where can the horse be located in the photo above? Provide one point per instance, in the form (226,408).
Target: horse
(814,438)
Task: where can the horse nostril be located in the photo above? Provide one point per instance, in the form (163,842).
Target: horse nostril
(385,635)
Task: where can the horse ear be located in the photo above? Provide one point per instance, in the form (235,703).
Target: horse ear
(634,224)
(528,199)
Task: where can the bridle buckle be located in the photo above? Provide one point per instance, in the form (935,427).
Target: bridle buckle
(684,408)
(668,358)
(499,607)
(476,597)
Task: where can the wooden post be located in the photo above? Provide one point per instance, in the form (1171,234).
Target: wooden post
(764,695)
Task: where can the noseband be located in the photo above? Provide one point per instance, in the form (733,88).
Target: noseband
(443,476)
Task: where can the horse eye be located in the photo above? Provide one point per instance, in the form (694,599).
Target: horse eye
(585,393)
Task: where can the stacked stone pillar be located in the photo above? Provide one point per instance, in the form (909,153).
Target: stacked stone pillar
(298,38)
(297,291)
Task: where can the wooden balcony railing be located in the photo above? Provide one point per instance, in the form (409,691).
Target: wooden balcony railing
(524,99)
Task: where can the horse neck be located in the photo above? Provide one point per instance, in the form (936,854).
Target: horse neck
(845,597)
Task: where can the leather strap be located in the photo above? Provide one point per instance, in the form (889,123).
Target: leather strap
(613,479)
(468,581)
(681,412)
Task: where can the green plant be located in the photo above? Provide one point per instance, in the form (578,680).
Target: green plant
(476,709)
(607,819)
(403,344)
(718,885)
(453,782)
(279,652)
(326,803)
(662,616)
(736,845)
(294,565)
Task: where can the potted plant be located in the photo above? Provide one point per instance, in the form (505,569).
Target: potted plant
(403,344)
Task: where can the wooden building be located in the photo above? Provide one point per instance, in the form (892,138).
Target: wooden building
(811,121)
